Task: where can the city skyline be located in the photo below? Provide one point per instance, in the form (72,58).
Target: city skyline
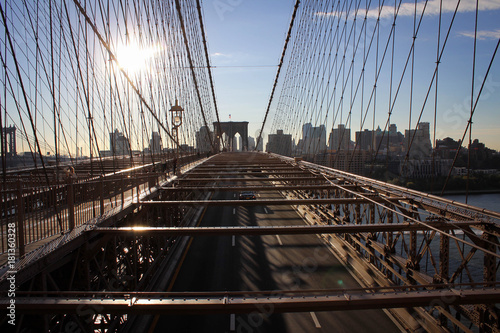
(234,30)
(347,142)
(244,66)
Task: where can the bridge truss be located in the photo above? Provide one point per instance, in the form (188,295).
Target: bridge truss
(97,249)
(432,262)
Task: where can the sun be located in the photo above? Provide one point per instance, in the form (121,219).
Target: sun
(133,58)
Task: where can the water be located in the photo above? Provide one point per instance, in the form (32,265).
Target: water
(489,201)
(457,249)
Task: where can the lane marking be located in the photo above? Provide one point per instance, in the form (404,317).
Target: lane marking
(315,319)
(232,322)
(234,211)
(265,209)
(233,241)
(279,240)
(176,273)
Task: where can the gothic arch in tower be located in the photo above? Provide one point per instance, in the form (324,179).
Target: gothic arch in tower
(231,128)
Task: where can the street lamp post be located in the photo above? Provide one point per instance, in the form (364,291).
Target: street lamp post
(176,113)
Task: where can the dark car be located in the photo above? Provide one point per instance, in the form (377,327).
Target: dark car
(247,195)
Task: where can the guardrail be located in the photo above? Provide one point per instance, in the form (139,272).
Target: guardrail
(417,196)
(33,210)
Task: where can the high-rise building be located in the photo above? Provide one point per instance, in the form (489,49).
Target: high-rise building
(155,144)
(393,130)
(418,142)
(350,161)
(203,139)
(251,143)
(313,139)
(391,139)
(119,143)
(306,130)
(260,145)
(340,138)
(365,140)
(279,143)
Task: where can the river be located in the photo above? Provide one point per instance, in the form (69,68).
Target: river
(490,201)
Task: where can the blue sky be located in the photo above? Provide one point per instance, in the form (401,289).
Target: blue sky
(245,39)
(252,33)
(245,33)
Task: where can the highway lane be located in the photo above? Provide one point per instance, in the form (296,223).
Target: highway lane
(271,263)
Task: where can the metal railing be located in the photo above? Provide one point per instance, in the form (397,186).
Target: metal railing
(34,211)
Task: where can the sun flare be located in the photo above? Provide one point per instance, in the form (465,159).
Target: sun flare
(134,58)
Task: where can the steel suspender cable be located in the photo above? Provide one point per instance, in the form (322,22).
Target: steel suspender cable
(195,81)
(278,72)
(209,71)
(129,80)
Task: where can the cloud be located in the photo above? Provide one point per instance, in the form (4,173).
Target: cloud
(432,8)
(482,34)
(221,55)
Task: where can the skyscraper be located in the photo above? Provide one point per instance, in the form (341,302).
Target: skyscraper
(280,143)
(155,143)
(313,139)
(418,142)
(203,139)
(340,138)
(119,143)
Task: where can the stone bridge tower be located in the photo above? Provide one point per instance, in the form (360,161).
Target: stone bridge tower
(231,128)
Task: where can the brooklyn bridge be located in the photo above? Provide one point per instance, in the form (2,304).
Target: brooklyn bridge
(129,205)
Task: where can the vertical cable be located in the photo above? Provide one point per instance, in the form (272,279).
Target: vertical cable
(434,139)
(297,2)
(467,188)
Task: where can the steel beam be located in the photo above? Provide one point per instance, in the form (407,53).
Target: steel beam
(250,168)
(268,202)
(212,173)
(276,230)
(257,188)
(228,303)
(256,179)
(226,164)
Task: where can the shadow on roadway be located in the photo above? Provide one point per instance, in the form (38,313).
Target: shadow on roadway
(213,264)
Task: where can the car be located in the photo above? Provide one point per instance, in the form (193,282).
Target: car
(247,195)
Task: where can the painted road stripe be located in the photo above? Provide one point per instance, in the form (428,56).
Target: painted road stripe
(265,209)
(176,273)
(233,240)
(234,211)
(279,240)
(315,319)
(232,322)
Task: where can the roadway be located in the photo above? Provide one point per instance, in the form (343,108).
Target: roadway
(264,263)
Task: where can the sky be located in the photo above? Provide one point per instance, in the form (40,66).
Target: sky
(245,42)
(252,33)
(245,33)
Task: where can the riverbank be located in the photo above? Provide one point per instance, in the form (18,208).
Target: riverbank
(464,192)
(489,201)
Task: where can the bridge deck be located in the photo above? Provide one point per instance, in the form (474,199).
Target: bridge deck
(268,260)
(295,237)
